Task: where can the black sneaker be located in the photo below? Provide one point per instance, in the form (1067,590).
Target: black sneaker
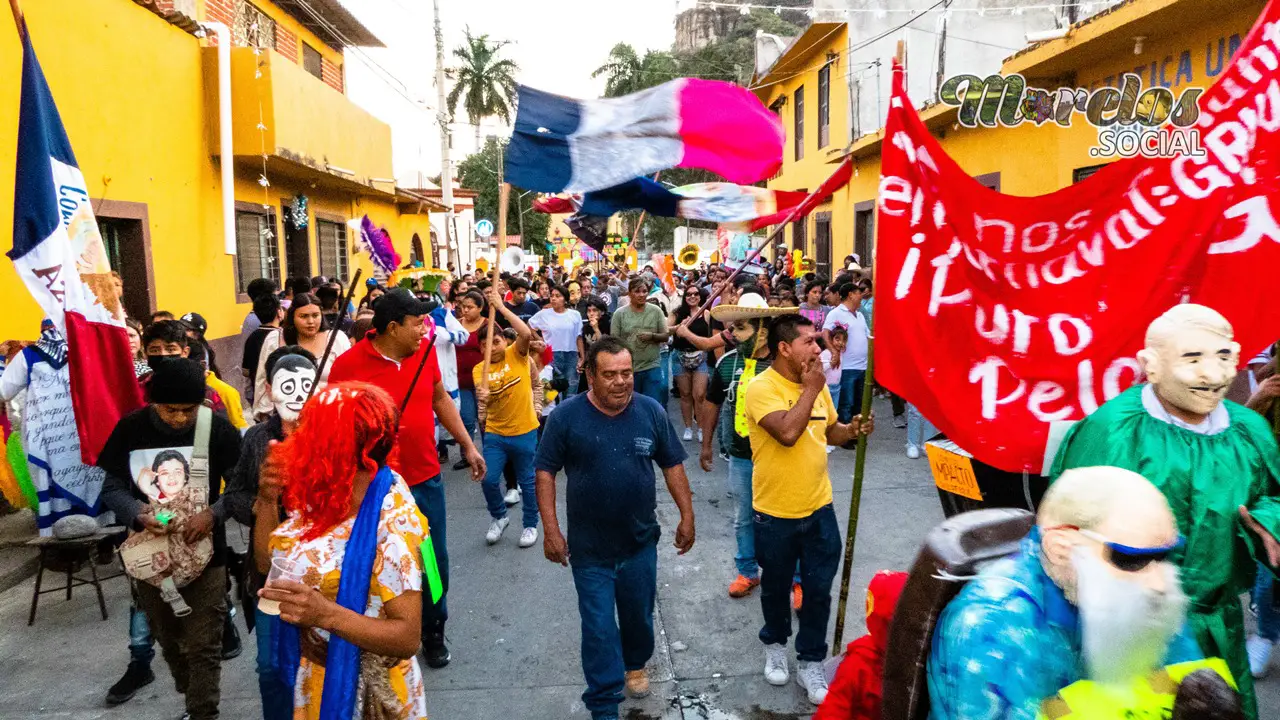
(138,676)
(461,464)
(231,646)
(434,650)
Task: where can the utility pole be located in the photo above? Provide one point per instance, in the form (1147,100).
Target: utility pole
(446,172)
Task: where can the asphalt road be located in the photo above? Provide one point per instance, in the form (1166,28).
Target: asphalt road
(514,626)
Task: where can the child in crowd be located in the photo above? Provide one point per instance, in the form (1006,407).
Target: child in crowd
(831,365)
(855,691)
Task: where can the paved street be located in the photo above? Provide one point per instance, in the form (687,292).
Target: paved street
(514,629)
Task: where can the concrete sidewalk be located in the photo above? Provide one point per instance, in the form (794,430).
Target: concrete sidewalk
(514,626)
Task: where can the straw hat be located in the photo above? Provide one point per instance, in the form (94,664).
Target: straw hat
(749,307)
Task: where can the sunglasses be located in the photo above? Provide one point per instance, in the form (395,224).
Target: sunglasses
(1126,558)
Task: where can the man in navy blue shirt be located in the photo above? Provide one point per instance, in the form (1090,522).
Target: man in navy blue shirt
(606,441)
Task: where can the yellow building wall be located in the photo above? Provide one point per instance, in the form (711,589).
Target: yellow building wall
(137,127)
(130,88)
(1036,160)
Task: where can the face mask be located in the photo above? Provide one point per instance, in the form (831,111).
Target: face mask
(1126,627)
(289,389)
(155,362)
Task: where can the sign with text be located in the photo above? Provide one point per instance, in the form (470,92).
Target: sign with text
(999,315)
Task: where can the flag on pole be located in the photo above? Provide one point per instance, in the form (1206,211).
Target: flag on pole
(560,144)
(59,255)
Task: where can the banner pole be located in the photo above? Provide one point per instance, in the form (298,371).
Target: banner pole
(504,194)
(860,456)
(333,332)
(18,19)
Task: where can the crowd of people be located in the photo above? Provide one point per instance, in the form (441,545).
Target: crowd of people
(319,497)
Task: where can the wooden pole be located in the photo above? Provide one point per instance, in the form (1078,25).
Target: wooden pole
(504,195)
(860,457)
(333,335)
(18,19)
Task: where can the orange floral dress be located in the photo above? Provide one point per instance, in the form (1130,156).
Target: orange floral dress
(396,570)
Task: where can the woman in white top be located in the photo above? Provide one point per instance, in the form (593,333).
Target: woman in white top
(561,326)
(303,325)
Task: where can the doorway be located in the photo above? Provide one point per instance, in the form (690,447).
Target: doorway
(822,243)
(126,236)
(297,245)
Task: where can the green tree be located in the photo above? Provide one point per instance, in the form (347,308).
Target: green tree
(626,72)
(479,172)
(484,81)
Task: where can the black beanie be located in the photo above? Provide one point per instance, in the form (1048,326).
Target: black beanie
(177,382)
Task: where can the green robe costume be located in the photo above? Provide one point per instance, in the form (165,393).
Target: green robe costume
(1205,478)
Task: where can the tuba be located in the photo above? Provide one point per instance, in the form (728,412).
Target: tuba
(687,258)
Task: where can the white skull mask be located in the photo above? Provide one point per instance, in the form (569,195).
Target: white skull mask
(289,389)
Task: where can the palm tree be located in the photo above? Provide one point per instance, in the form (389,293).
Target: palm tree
(626,72)
(484,81)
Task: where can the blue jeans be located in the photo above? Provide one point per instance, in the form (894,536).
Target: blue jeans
(651,383)
(142,648)
(740,487)
(665,359)
(519,451)
(429,496)
(469,410)
(609,647)
(567,363)
(850,394)
(918,428)
(1263,600)
(725,426)
(835,393)
(277,698)
(815,542)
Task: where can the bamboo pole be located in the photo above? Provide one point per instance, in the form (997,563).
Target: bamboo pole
(860,457)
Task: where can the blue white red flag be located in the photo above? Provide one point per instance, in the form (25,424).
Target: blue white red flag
(564,145)
(59,254)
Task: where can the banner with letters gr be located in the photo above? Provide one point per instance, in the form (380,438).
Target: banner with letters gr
(999,315)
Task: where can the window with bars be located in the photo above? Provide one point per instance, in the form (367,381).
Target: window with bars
(824,106)
(334,258)
(1084,173)
(253,28)
(257,254)
(799,123)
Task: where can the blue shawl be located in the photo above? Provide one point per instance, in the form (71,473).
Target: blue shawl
(342,665)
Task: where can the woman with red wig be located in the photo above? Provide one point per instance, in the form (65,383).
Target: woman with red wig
(352,624)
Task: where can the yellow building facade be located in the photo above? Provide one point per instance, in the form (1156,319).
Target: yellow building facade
(1186,44)
(138,93)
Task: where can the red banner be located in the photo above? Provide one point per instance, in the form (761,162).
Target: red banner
(999,315)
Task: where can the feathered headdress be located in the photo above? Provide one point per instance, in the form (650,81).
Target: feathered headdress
(377,242)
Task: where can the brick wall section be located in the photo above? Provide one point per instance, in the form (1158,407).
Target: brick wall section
(331,74)
(286,44)
(223,11)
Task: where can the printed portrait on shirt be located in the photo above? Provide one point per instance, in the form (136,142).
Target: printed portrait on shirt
(164,475)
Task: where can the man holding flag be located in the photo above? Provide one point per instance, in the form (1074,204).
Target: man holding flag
(59,255)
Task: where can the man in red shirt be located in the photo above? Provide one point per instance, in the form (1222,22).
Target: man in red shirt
(390,356)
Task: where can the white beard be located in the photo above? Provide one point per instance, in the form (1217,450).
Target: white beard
(1126,628)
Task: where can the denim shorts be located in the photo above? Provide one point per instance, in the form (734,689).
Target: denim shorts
(680,369)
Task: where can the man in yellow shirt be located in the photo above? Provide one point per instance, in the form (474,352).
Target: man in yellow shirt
(510,422)
(791,420)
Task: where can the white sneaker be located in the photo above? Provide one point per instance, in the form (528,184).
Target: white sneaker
(813,678)
(699,434)
(496,529)
(775,665)
(528,537)
(688,434)
(1259,651)
(913,452)
(512,497)
(831,449)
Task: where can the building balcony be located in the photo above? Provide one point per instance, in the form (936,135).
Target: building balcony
(306,129)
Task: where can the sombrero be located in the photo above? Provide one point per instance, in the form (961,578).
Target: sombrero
(750,306)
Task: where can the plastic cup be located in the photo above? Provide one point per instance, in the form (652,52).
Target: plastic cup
(281,569)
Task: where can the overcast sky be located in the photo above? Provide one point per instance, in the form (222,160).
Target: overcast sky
(556,43)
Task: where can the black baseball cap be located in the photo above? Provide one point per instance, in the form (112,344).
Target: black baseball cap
(196,322)
(394,306)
